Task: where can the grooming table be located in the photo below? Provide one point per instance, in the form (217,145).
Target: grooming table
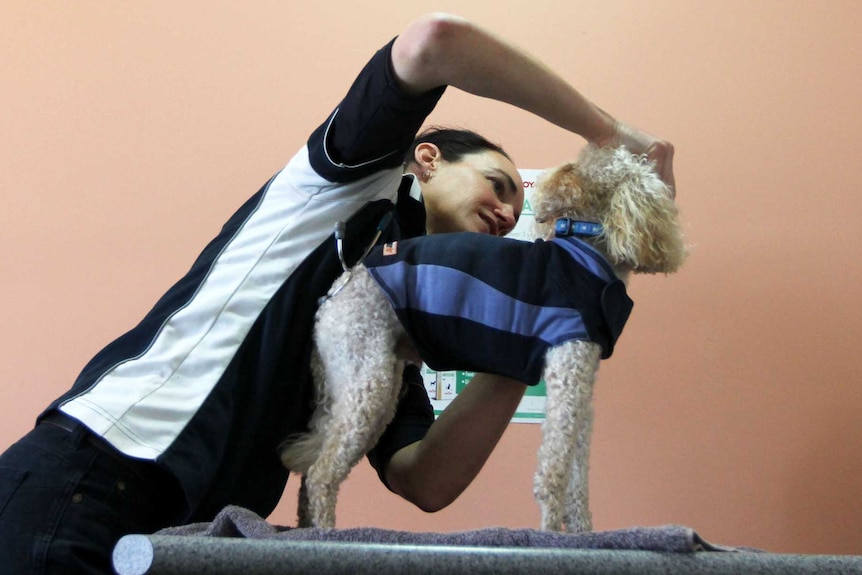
(238,541)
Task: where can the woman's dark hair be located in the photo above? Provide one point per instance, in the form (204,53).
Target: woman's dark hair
(454,143)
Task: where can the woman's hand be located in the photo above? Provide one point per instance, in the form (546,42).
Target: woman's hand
(657,150)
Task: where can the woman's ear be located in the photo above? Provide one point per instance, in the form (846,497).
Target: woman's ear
(427,156)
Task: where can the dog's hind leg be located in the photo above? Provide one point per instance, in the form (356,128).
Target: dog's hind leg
(570,371)
(301,454)
(355,425)
(356,338)
(303,511)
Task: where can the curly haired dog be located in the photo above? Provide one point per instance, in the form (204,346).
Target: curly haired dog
(549,309)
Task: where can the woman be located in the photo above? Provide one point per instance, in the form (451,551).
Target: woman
(183,414)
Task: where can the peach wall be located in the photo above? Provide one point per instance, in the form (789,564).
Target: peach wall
(130,131)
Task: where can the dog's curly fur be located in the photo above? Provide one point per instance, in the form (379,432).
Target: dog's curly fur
(361,347)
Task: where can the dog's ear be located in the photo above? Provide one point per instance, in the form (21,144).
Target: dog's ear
(557,195)
(641,220)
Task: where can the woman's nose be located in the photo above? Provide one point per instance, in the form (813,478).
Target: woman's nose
(505,219)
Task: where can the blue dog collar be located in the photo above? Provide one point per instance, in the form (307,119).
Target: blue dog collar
(569,227)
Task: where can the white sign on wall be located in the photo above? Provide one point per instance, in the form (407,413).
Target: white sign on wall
(444,386)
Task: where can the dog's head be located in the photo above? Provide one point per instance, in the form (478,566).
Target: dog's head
(611,186)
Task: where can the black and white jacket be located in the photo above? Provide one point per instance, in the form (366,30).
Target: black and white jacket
(217,374)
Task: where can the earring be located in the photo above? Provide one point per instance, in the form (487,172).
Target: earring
(427,175)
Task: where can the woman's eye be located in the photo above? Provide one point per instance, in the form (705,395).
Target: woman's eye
(498,186)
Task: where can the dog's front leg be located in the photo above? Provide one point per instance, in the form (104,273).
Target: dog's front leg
(561,484)
(577,514)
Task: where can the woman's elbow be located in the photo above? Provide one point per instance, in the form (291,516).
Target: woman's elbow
(421,53)
(430,501)
(427,493)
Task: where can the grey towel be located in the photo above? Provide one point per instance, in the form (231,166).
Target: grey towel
(238,522)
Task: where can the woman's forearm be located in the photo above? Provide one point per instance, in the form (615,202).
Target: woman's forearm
(433,472)
(440,49)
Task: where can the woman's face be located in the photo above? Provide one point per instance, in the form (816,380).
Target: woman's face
(481,192)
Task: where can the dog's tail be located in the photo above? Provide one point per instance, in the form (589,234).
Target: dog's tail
(300,451)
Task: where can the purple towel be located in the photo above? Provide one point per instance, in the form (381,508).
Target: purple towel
(242,523)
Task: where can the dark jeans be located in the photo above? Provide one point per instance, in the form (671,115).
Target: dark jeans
(66,498)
